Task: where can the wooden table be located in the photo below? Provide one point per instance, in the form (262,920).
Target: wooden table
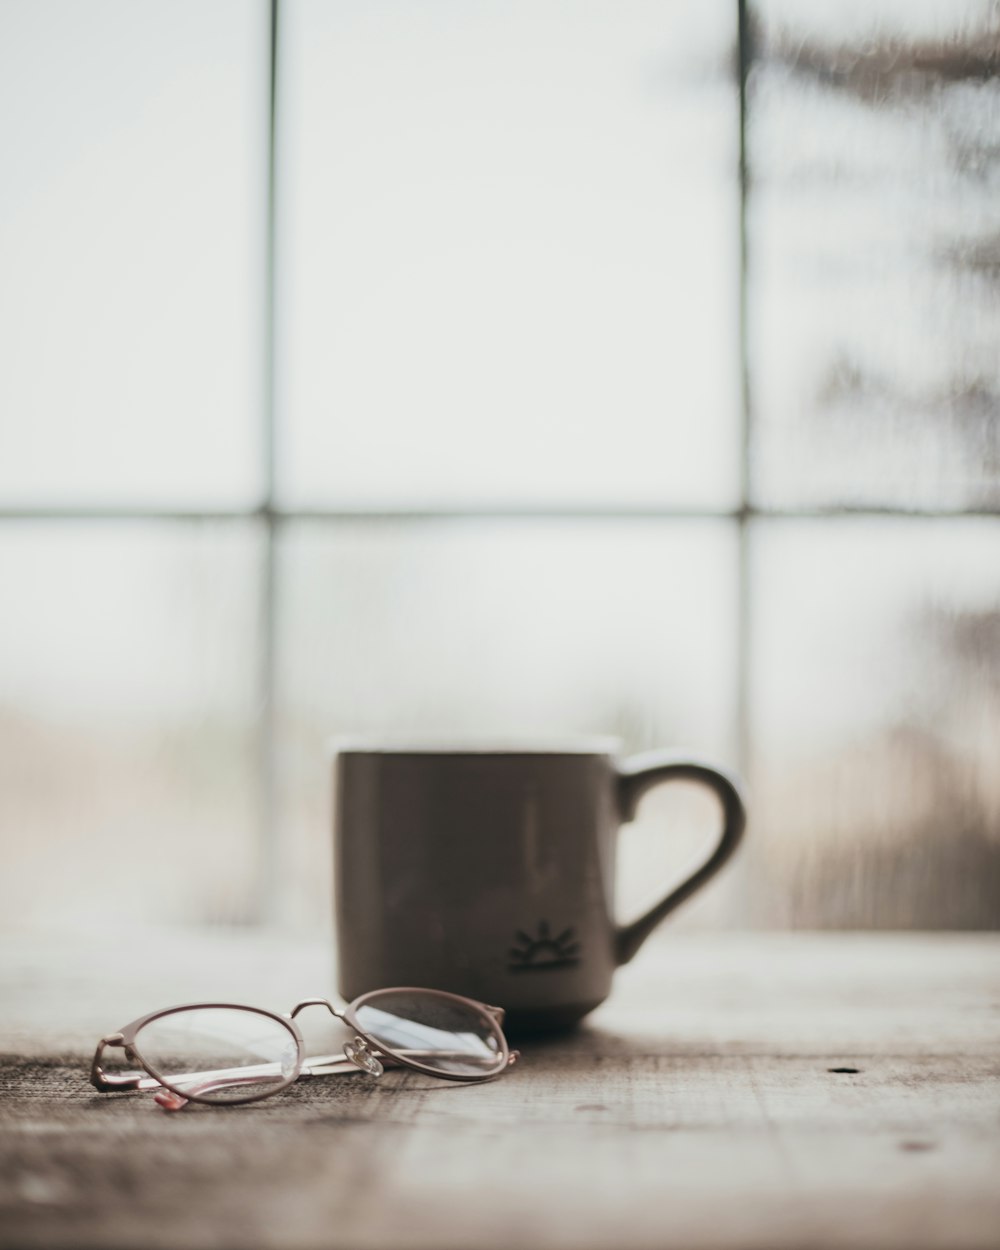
(737,1091)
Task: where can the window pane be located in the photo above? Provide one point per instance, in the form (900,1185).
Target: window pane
(877,724)
(510,232)
(127,717)
(874,296)
(132,141)
(498,630)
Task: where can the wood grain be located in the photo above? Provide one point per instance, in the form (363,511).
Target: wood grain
(697,1109)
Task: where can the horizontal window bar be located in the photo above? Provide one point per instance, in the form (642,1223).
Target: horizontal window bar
(274,515)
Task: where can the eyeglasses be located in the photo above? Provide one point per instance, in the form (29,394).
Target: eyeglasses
(226,1053)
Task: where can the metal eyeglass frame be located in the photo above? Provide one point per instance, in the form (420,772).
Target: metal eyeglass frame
(364,1053)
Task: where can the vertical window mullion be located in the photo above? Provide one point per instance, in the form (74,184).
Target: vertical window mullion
(268,851)
(744,61)
(744,521)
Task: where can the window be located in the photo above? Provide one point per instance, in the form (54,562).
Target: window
(522,367)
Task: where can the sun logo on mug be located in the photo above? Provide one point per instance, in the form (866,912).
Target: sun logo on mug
(543,951)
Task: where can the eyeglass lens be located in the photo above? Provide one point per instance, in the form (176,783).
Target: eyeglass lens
(439,1033)
(219,1054)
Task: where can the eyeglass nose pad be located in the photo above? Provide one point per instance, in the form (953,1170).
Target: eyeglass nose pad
(359,1054)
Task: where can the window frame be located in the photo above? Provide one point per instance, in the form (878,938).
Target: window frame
(271,516)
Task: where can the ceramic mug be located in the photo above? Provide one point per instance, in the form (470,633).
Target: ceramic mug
(490,871)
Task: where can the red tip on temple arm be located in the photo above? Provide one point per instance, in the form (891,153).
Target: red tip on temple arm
(169,1101)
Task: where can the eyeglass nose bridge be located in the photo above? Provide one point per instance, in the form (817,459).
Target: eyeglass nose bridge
(315,1002)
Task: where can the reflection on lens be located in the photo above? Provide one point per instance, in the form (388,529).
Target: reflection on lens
(220,1054)
(433,1030)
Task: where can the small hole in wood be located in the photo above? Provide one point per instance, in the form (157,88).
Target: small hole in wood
(852,1071)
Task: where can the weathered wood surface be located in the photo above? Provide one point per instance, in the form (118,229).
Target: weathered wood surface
(696,1109)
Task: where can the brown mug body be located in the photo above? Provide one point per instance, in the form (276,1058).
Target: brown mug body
(490,872)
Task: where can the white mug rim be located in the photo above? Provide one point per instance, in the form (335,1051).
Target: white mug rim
(502,744)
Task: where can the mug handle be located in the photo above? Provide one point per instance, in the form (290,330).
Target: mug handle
(640,773)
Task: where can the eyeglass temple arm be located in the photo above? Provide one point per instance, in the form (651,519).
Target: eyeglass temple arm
(108,1082)
(319,1065)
